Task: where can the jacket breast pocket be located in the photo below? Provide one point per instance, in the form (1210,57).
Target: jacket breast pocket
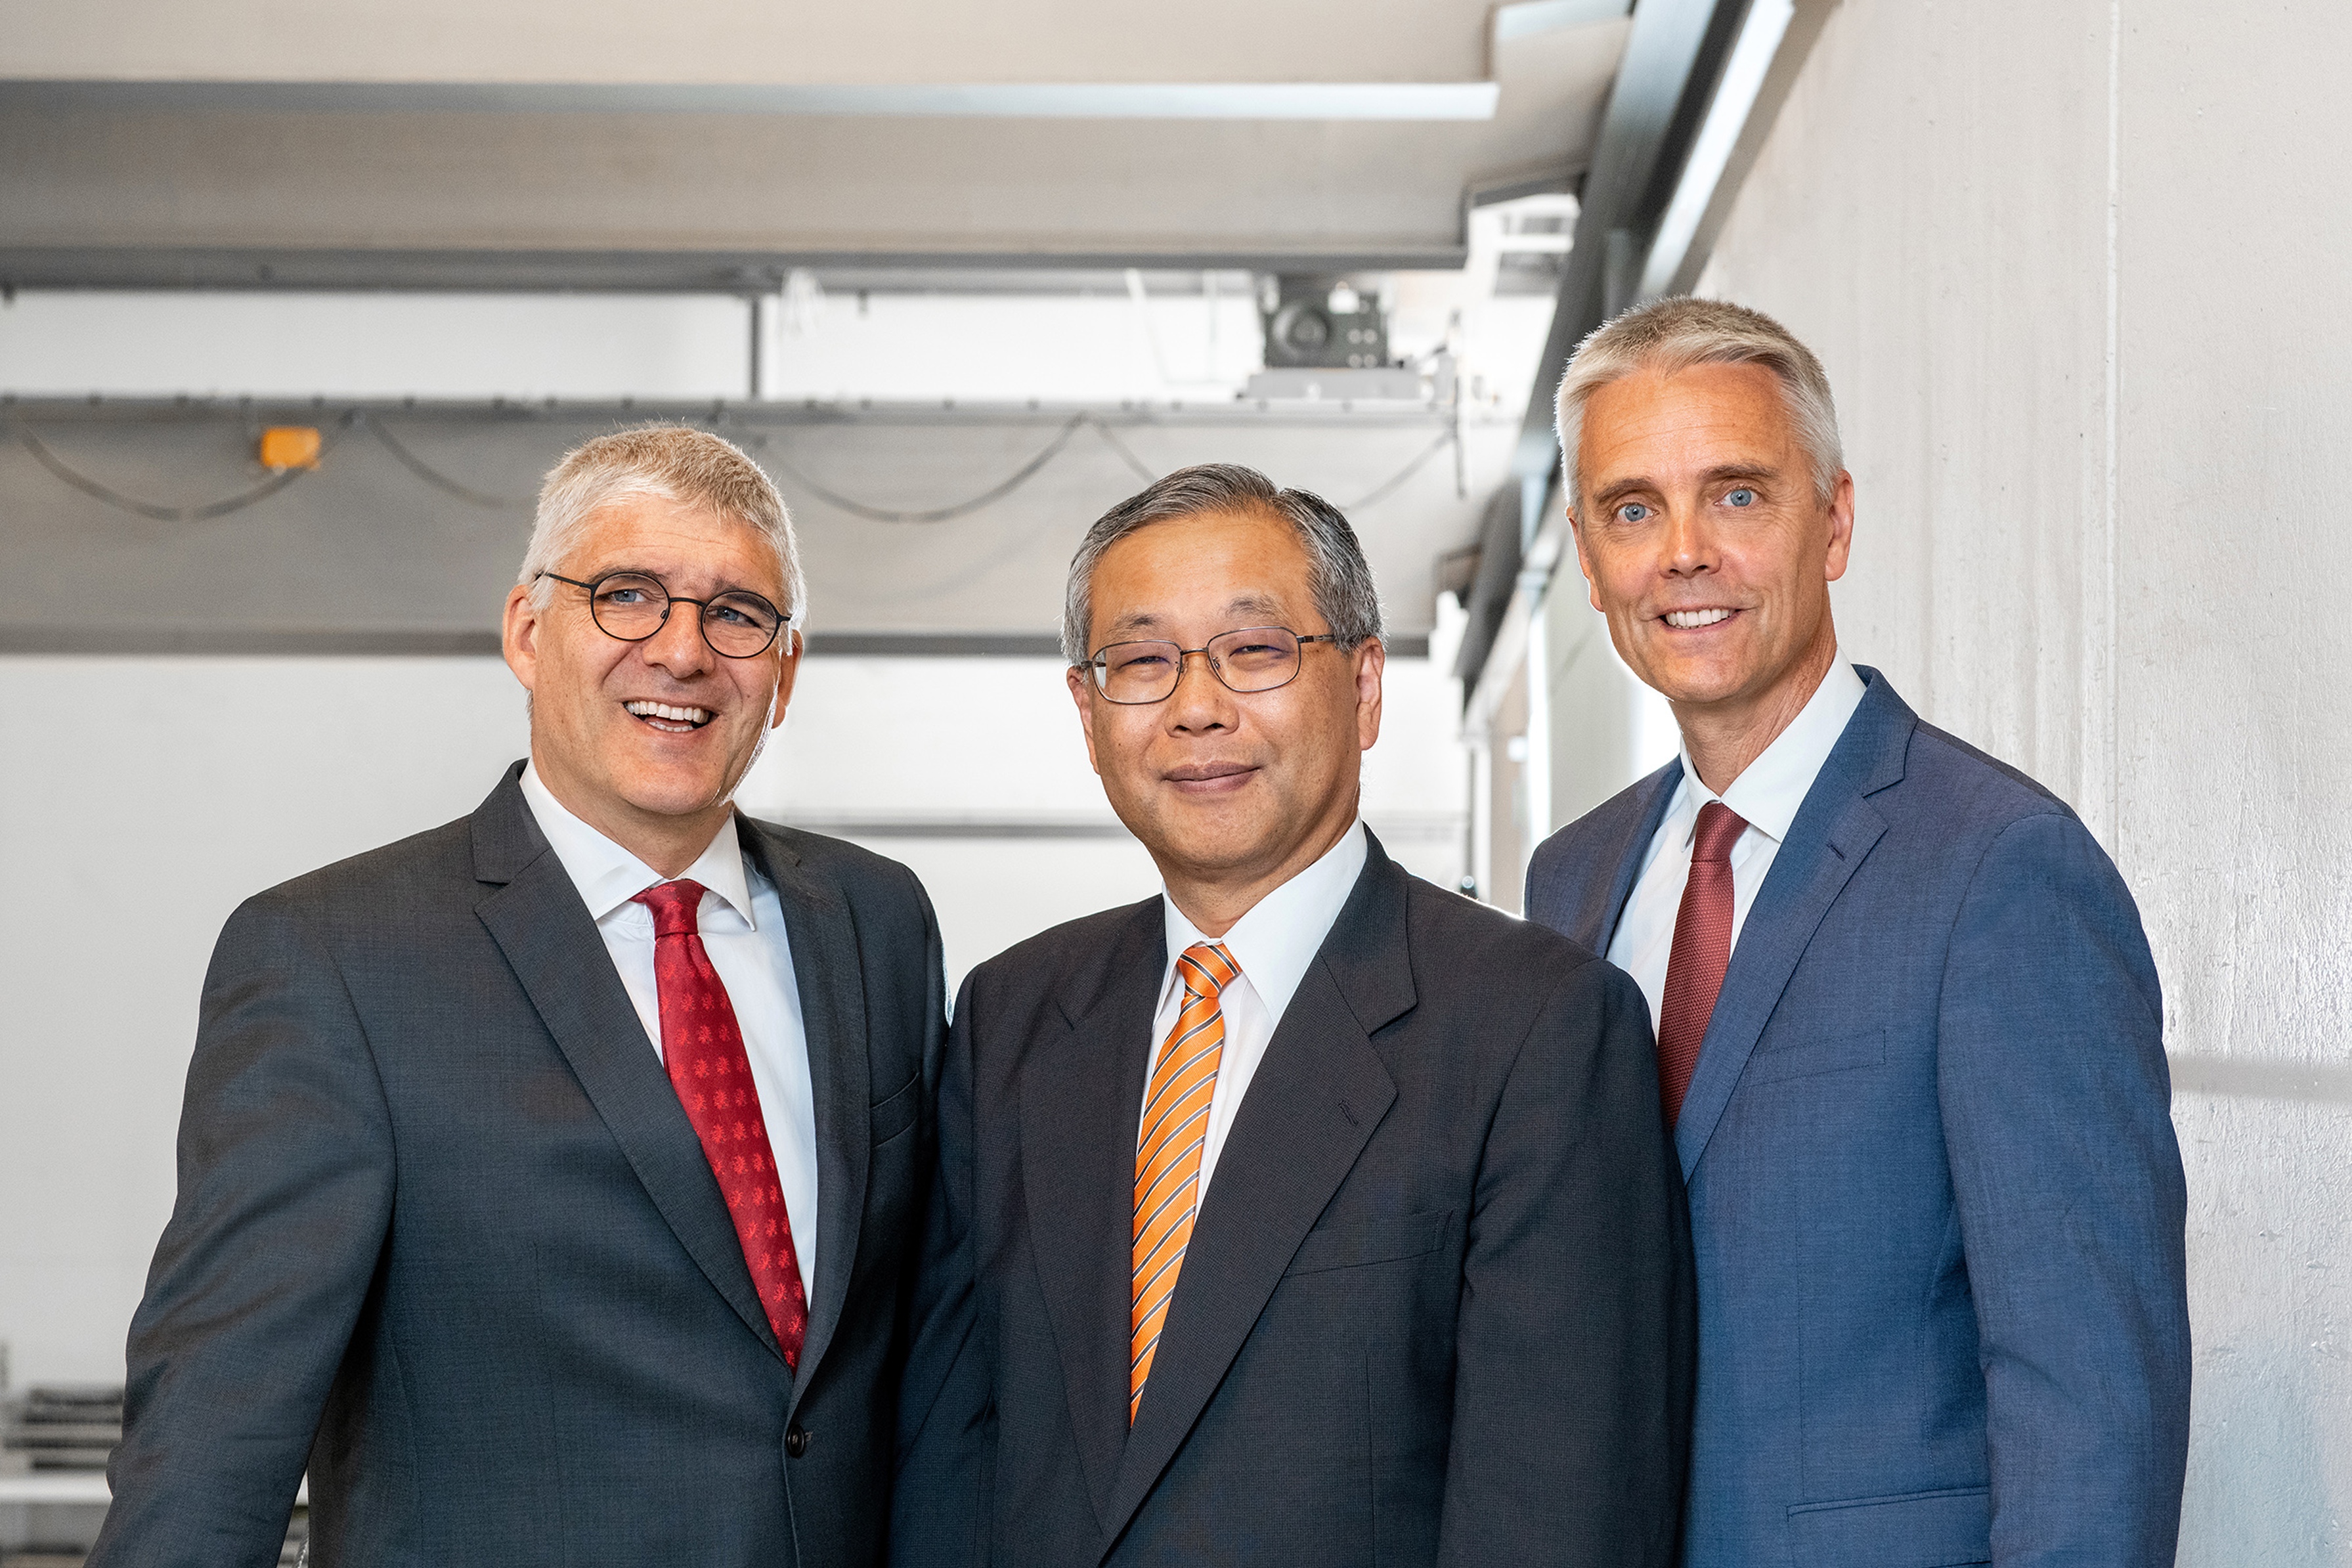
(1810,1057)
(895,1114)
(1362,1242)
(1915,1529)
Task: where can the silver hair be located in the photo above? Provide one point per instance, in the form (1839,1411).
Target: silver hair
(1336,571)
(676,463)
(1676,334)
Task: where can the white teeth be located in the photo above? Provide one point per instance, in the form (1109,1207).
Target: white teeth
(664,710)
(1686,620)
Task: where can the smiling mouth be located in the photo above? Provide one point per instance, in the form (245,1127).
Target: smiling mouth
(668,718)
(1207,778)
(1690,620)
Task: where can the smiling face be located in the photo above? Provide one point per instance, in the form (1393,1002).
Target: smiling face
(647,740)
(1234,793)
(1705,543)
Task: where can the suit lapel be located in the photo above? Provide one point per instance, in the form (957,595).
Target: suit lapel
(1309,1112)
(1595,919)
(1081,1095)
(1833,830)
(826,968)
(543,928)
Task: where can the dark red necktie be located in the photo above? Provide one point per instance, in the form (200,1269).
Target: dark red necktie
(703,1049)
(1701,952)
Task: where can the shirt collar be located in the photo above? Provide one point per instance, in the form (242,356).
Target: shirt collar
(608,876)
(1279,937)
(1769,791)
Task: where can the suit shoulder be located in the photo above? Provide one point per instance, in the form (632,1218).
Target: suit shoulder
(363,883)
(1978,787)
(858,869)
(1477,945)
(1053,955)
(1610,822)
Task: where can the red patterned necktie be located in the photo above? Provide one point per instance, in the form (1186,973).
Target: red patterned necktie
(703,1049)
(1701,952)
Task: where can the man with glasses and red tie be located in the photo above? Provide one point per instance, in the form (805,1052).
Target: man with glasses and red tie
(1909,1035)
(549,1182)
(1307,1213)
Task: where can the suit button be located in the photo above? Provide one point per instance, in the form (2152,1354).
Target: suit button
(796,1441)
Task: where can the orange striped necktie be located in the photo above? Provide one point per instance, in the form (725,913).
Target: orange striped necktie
(1168,1153)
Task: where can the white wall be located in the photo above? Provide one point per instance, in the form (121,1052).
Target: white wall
(2075,269)
(140,799)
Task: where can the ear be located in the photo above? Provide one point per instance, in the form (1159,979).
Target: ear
(1371,658)
(789,672)
(1841,526)
(1082,692)
(519,635)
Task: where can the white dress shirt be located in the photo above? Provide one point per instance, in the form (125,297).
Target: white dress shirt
(742,925)
(1273,944)
(1766,796)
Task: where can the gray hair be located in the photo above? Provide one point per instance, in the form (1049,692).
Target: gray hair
(676,463)
(1337,572)
(1674,335)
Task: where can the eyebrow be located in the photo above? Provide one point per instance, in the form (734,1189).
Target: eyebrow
(1716,474)
(1240,604)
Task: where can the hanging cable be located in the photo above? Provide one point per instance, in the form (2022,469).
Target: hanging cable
(1111,439)
(151,509)
(1019,477)
(434,477)
(1382,492)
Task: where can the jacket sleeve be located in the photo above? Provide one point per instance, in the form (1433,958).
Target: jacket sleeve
(1574,1356)
(946,1404)
(2057,1116)
(284,1199)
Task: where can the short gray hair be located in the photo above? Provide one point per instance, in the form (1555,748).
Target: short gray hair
(1337,572)
(1676,334)
(676,463)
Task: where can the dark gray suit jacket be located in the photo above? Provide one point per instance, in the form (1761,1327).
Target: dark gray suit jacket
(439,1204)
(1437,1307)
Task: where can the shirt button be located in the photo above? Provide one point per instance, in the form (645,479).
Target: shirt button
(796,1441)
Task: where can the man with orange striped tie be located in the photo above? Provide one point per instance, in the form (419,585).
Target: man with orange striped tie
(1307,1213)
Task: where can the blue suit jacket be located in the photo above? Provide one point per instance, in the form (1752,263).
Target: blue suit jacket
(1935,1195)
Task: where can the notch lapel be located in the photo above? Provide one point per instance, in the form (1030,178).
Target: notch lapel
(830,975)
(1594,921)
(1834,831)
(543,928)
(1309,1112)
(1081,1099)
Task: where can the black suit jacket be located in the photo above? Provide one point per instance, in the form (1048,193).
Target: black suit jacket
(439,1205)
(1437,1305)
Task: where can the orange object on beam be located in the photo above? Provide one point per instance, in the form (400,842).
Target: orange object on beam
(285,447)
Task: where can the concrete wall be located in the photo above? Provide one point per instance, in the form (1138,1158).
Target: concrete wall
(2073,266)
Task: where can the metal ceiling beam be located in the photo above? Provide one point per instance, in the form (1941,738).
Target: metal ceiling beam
(617,272)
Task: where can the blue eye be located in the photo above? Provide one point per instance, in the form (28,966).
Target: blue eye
(1632,511)
(1741,497)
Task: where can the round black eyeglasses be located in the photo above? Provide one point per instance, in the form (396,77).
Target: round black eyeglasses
(634,605)
(1256,658)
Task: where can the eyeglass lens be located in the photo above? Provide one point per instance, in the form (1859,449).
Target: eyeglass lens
(1257,659)
(632,608)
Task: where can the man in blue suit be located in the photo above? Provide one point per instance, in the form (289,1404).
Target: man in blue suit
(1909,1034)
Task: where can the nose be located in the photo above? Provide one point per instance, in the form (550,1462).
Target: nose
(679,648)
(1201,702)
(1686,546)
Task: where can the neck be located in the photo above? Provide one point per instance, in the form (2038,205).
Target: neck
(1214,900)
(667,843)
(1723,738)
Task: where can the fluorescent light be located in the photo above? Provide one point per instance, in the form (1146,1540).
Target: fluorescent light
(1529,18)
(1743,79)
(1046,101)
